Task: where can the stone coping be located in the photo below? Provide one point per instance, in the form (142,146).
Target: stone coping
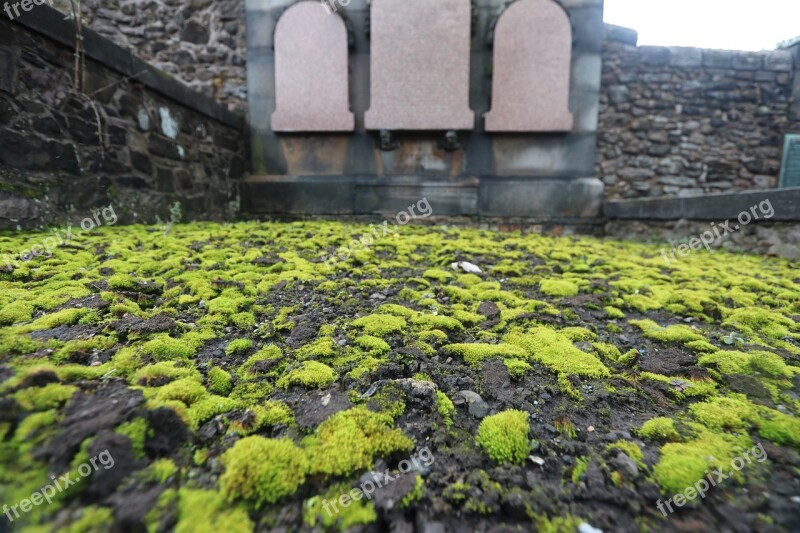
(716,207)
(51,23)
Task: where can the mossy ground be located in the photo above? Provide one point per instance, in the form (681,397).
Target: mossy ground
(240,381)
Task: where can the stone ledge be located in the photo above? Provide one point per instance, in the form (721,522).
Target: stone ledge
(716,207)
(536,199)
(51,24)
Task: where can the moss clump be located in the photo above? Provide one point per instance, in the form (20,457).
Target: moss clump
(725,413)
(675,333)
(379,325)
(161,471)
(760,321)
(445,407)
(186,391)
(558,288)
(613,312)
(682,464)
(322,347)
(660,429)
(557,352)
(517,368)
(362,433)
(761,362)
(373,345)
(504,436)
(44,398)
(311,374)
(219,381)
(359,512)
(165,348)
(262,471)
(268,353)
(65,317)
(238,346)
(202,510)
(92,520)
(208,407)
(16,312)
(272,413)
(437,322)
(475,354)
(137,431)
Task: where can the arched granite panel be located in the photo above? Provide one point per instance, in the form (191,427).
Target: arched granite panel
(531,73)
(420,65)
(311,71)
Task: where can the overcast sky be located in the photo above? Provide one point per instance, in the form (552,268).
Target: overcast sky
(730,24)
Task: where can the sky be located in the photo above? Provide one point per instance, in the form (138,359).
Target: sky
(727,24)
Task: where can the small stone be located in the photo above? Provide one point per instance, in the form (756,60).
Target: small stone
(626,465)
(590,429)
(377,296)
(535,459)
(342,342)
(586,528)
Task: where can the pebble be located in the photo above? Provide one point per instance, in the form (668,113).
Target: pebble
(475,404)
(590,429)
(586,528)
(535,459)
(342,342)
(627,465)
(377,296)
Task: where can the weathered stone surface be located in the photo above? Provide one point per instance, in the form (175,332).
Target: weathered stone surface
(311,87)
(420,83)
(531,73)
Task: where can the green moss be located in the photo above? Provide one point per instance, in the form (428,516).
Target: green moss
(364,434)
(16,312)
(164,371)
(613,312)
(757,320)
(380,325)
(558,288)
(137,431)
(208,407)
(65,317)
(660,429)
(358,513)
(517,368)
(166,348)
(556,351)
(161,471)
(728,413)
(237,346)
(322,347)
(262,471)
(445,407)
(683,464)
(438,274)
(268,353)
(415,495)
(580,468)
(475,354)
(201,510)
(629,448)
(437,322)
(271,414)
(676,333)
(91,520)
(219,381)
(311,374)
(44,398)
(186,391)
(504,436)
(373,345)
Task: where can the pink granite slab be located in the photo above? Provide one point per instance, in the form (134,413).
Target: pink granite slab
(311,78)
(531,73)
(420,65)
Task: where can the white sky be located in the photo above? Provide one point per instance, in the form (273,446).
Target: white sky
(730,24)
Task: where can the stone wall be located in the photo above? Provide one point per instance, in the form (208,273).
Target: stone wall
(201,42)
(132,137)
(685,121)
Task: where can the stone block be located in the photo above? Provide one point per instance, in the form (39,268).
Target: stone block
(6,71)
(306,195)
(621,35)
(685,57)
(531,73)
(716,58)
(311,72)
(747,61)
(571,155)
(443,200)
(779,61)
(420,83)
(541,198)
(654,55)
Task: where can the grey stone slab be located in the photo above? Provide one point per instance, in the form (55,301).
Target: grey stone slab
(306,195)
(260,30)
(747,61)
(420,83)
(621,34)
(779,61)
(790,164)
(654,55)
(587,68)
(6,71)
(570,155)
(585,106)
(588,28)
(441,200)
(311,72)
(531,72)
(541,198)
(685,57)
(715,207)
(716,58)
